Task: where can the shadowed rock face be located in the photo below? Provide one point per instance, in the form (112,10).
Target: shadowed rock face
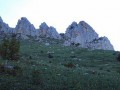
(25,27)
(85,35)
(101,43)
(46,31)
(4,27)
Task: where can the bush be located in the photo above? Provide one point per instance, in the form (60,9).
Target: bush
(50,56)
(10,70)
(118,57)
(72,44)
(9,49)
(37,78)
(4,48)
(69,65)
(77,44)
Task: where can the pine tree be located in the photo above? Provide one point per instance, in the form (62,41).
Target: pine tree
(9,49)
(4,48)
(14,48)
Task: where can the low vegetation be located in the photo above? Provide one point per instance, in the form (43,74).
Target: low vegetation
(56,67)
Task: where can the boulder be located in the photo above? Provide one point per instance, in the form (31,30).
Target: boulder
(47,44)
(67,43)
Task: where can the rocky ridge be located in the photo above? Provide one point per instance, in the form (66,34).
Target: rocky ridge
(24,27)
(86,36)
(49,32)
(82,33)
(4,27)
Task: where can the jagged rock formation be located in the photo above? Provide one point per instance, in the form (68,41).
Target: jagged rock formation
(46,31)
(100,43)
(85,35)
(24,27)
(80,34)
(4,27)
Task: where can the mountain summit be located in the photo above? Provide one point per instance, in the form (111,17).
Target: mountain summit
(80,33)
(86,36)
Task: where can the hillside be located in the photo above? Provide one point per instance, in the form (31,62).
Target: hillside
(56,67)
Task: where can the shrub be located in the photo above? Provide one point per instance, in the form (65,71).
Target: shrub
(1,68)
(118,57)
(69,65)
(73,56)
(14,48)
(50,56)
(77,44)
(4,48)
(72,44)
(37,78)
(10,70)
(9,49)
(42,51)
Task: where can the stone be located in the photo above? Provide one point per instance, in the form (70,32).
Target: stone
(24,36)
(52,33)
(47,44)
(67,43)
(80,33)
(84,35)
(4,27)
(44,26)
(24,27)
(101,43)
(48,32)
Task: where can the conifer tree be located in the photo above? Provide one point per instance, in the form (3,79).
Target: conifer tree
(9,49)
(4,48)
(14,48)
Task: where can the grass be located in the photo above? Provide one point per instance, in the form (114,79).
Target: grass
(70,68)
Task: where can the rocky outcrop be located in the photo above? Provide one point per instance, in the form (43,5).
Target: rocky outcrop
(46,31)
(86,36)
(4,27)
(67,43)
(24,27)
(101,43)
(80,35)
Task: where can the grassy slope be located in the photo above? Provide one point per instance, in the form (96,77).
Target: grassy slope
(93,70)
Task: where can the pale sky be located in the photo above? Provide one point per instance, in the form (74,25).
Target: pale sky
(102,15)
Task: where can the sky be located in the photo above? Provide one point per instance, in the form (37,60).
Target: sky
(102,15)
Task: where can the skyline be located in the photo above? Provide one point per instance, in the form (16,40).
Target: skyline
(102,15)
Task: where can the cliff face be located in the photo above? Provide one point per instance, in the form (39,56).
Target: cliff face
(86,36)
(4,27)
(100,43)
(24,27)
(81,33)
(46,31)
